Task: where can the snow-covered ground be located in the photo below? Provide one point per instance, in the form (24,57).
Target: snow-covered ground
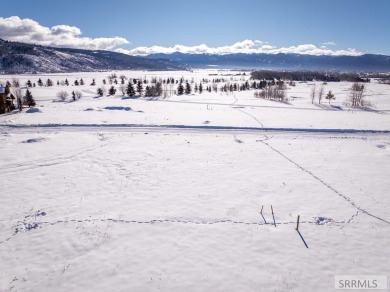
(112,194)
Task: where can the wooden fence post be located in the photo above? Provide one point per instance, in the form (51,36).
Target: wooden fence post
(297,224)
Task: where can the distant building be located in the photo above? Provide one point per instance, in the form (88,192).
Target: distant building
(6,103)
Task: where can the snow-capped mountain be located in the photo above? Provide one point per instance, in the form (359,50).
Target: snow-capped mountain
(18,57)
(368,62)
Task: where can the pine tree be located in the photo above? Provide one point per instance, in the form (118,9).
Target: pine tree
(73,95)
(66,82)
(29,99)
(29,83)
(148,91)
(81,81)
(40,83)
(130,90)
(93,82)
(112,91)
(100,92)
(180,89)
(200,88)
(159,89)
(188,88)
(330,96)
(139,87)
(196,87)
(49,83)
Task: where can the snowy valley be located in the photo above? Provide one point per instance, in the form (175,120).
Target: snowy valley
(192,192)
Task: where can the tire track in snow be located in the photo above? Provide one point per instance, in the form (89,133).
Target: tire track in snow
(244,112)
(346,198)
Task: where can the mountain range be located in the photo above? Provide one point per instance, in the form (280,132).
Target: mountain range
(363,63)
(16,57)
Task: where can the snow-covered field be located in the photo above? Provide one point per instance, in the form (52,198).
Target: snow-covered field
(113,194)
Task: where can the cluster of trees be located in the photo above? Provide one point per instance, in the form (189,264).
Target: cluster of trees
(320,94)
(384,81)
(356,96)
(276,92)
(308,76)
(63,95)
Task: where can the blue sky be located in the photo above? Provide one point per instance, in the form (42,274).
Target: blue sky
(276,26)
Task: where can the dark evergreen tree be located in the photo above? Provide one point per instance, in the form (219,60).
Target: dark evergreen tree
(112,91)
(93,82)
(29,83)
(188,88)
(104,81)
(180,89)
(200,88)
(81,81)
(7,89)
(58,83)
(40,83)
(100,92)
(148,91)
(66,82)
(76,83)
(130,90)
(139,87)
(49,82)
(29,99)
(159,89)
(73,95)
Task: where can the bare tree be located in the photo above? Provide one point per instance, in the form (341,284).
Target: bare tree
(123,89)
(320,94)
(15,82)
(17,92)
(313,93)
(356,96)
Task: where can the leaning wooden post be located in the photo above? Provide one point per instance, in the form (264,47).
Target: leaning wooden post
(297,224)
(272,210)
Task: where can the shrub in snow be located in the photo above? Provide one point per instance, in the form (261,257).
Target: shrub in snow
(78,94)
(62,95)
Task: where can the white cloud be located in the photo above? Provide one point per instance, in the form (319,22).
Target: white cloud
(245,47)
(329,44)
(29,31)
